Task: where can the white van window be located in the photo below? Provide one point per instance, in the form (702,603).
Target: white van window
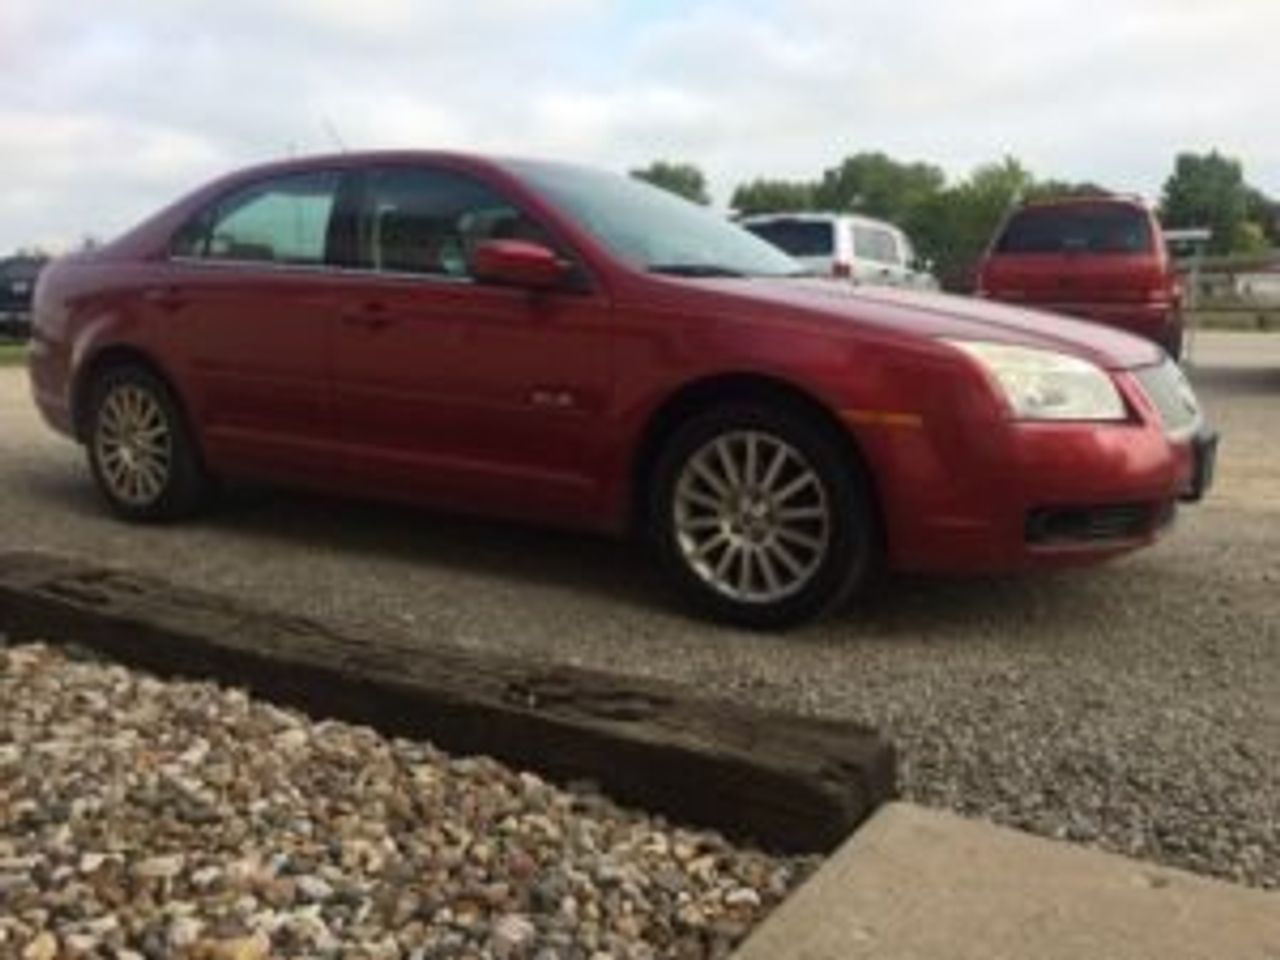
(800,238)
(874,243)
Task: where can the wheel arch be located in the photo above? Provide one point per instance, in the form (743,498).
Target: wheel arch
(708,392)
(105,358)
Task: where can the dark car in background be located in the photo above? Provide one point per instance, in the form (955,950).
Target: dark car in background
(17,285)
(1098,258)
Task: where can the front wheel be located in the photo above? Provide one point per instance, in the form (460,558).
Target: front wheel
(142,455)
(762,515)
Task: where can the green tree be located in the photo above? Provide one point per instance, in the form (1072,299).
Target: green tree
(1207,190)
(1250,239)
(772,196)
(954,226)
(682,179)
(1260,209)
(1060,189)
(878,186)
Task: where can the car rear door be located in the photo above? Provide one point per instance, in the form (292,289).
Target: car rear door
(253,302)
(476,396)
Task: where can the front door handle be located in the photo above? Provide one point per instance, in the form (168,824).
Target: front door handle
(371,316)
(167,297)
(364,322)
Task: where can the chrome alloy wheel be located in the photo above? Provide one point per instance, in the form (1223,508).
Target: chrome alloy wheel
(751,516)
(134,445)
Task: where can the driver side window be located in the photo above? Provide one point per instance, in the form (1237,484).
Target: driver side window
(419,221)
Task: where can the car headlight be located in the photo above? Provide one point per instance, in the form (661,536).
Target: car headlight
(1045,385)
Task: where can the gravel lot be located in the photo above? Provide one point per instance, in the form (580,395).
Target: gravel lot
(1134,706)
(145,819)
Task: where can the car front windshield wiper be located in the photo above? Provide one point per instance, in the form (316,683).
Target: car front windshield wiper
(695,270)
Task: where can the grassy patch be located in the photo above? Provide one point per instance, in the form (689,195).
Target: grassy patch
(12,354)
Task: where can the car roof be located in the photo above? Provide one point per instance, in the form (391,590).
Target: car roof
(1087,200)
(818,216)
(508,165)
(360,158)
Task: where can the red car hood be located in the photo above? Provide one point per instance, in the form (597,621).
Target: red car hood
(937,315)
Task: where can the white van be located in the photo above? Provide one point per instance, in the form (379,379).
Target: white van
(859,248)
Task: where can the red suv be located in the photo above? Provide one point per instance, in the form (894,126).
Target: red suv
(547,342)
(1100,258)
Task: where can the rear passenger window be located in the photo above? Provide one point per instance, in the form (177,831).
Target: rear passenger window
(284,220)
(872,243)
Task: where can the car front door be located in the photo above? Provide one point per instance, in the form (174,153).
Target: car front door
(253,304)
(449,390)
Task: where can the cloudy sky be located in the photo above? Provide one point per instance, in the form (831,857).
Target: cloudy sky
(108,110)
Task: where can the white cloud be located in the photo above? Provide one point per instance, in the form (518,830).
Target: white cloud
(109,111)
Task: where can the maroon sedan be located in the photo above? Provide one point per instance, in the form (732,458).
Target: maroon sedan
(546,342)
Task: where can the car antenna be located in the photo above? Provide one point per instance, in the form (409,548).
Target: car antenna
(332,131)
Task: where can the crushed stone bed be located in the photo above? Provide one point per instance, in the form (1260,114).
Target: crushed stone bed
(148,819)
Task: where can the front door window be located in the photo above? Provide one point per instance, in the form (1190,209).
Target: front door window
(419,221)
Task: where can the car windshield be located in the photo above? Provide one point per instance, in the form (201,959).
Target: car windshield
(654,229)
(800,238)
(1093,228)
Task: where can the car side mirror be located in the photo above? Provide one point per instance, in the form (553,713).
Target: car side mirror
(518,263)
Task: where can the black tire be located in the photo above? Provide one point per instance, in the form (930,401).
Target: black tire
(186,485)
(854,546)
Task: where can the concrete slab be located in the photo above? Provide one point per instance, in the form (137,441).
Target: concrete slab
(917,884)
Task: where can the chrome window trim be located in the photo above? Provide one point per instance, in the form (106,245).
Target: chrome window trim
(223,263)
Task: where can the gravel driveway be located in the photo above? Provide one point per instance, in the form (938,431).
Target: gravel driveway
(1135,706)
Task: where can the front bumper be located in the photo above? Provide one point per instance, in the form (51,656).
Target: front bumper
(1006,497)
(49,374)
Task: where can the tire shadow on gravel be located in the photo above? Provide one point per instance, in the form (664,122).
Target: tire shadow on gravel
(619,570)
(624,571)
(509,550)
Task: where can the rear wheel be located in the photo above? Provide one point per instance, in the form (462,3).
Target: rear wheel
(141,452)
(761,515)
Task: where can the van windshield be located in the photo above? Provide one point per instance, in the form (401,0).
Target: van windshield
(800,238)
(1112,228)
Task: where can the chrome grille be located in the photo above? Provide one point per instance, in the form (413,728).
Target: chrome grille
(1167,388)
